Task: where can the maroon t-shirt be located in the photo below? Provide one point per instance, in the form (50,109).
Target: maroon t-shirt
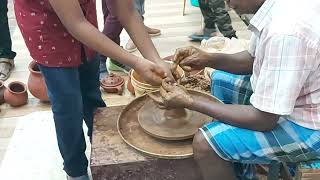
(48,41)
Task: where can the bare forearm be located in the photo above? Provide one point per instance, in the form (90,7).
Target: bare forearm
(239,63)
(244,116)
(91,37)
(133,23)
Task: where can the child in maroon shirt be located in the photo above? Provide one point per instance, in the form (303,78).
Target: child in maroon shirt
(62,37)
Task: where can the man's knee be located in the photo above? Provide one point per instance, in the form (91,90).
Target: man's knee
(201,147)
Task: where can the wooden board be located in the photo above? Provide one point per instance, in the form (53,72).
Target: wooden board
(112,158)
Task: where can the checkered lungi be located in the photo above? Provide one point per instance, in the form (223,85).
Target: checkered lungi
(288,142)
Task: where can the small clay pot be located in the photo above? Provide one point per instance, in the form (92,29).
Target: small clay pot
(2,89)
(141,87)
(112,84)
(16,94)
(36,83)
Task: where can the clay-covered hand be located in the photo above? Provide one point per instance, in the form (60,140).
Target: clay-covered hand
(172,75)
(152,73)
(173,96)
(190,58)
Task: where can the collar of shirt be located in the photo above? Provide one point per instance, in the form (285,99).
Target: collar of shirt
(262,17)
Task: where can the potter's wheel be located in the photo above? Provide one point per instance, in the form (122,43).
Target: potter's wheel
(174,124)
(135,136)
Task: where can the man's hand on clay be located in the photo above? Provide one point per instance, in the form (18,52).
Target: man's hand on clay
(172,75)
(190,58)
(173,96)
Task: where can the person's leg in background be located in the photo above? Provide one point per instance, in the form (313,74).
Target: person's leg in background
(139,4)
(112,29)
(223,20)
(112,26)
(6,53)
(209,29)
(74,95)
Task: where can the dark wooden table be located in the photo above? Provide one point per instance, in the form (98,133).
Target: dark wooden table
(112,159)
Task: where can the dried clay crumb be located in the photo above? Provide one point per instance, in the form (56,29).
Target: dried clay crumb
(196,82)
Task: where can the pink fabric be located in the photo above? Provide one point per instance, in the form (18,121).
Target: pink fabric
(47,39)
(286,71)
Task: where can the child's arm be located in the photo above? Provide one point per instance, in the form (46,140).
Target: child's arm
(71,15)
(132,22)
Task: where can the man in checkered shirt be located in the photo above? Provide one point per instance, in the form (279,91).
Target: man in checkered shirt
(271,92)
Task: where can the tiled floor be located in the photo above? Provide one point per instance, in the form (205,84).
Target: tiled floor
(33,152)
(163,14)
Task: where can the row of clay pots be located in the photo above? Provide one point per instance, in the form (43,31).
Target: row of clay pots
(15,94)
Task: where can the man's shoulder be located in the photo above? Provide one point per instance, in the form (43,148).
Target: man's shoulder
(298,20)
(300,28)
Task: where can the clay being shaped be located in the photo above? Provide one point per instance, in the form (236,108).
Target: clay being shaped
(170,124)
(193,72)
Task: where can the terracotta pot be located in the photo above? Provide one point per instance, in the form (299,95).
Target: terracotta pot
(141,87)
(112,84)
(16,94)
(2,89)
(36,83)
(129,85)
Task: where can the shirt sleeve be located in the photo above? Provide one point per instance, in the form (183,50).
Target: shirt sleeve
(287,63)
